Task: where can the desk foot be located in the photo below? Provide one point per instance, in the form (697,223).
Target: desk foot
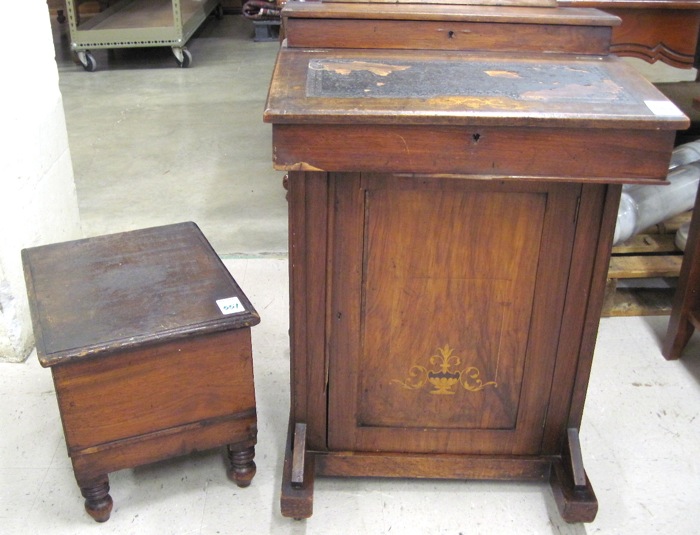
(98,502)
(572,490)
(242,467)
(297,500)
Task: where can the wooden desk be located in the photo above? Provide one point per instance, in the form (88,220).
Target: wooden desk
(452,203)
(652,30)
(146,364)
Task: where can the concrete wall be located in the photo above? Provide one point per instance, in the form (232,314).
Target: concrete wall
(38,202)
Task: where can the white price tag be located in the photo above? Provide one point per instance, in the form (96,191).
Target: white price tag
(230,305)
(663,108)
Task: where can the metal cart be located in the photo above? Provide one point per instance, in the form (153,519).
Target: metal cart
(139,23)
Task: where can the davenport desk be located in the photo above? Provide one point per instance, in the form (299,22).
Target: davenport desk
(454,175)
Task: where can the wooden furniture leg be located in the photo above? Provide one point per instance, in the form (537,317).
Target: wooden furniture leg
(242,467)
(570,485)
(298,475)
(98,502)
(685,313)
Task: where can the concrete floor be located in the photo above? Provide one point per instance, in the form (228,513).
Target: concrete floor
(640,439)
(155,144)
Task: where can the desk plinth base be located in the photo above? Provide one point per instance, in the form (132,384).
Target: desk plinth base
(572,490)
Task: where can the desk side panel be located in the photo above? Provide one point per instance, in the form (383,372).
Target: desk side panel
(308,223)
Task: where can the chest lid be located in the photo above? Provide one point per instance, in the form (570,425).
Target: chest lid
(125,290)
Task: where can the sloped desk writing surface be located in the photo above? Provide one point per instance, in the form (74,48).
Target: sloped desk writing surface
(451,217)
(398,109)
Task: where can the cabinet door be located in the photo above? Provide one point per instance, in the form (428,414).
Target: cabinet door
(446,302)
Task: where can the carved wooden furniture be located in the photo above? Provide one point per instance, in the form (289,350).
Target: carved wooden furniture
(685,312)
(148,339)
(652,30)
(452,193)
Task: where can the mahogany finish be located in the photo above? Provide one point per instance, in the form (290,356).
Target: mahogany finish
(145,364)
(685,313)
(652,30)
(451,217)
(448,27)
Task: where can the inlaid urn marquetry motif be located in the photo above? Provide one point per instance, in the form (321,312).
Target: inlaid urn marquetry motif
(445,375)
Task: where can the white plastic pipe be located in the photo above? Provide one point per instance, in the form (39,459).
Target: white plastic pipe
(643,206)
(685,154)
(682,236)
(682,155)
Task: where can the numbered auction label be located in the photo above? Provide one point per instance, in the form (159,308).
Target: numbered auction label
(230,305)
(663,108)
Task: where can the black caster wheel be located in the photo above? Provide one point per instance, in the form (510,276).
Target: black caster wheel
(87,60)
(183,57)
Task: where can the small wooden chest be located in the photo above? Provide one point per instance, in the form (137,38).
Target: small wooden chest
(148,339)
